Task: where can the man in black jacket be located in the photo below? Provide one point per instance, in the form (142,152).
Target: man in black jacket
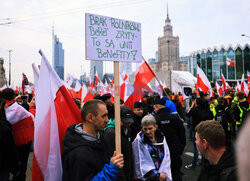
(172,128)
(220,164)
(126,144)
(85,156)
(138,114)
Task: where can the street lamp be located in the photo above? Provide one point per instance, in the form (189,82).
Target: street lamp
(245,35)
(9,67)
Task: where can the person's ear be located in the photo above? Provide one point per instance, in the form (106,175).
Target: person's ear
(90,117)
(205,144)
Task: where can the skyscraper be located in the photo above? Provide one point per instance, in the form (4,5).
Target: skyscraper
(58,57)
(126,67)
(96,65)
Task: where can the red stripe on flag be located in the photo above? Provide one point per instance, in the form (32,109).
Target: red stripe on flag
(67,112)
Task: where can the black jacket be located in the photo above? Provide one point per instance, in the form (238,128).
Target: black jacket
(82,159)
(135,127)
(225,170)
(227,118)
(199,115)
(8,153)
(172,128)
(237,111)
(109,137)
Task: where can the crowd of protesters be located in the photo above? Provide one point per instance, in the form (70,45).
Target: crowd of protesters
(152,137)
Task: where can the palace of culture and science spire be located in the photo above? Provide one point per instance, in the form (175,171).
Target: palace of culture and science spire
(168,51)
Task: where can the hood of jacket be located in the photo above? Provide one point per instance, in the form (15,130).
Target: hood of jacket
(74,138)
(110,124)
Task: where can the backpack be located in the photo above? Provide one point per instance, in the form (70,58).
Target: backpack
(243,113)
(221,118)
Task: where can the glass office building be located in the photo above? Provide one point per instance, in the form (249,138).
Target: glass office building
(58,57)
(212,61)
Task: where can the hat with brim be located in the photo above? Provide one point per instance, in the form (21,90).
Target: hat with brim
(127,115)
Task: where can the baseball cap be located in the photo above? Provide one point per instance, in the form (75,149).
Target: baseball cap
(126,115)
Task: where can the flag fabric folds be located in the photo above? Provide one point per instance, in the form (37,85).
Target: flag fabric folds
(203,82)
(230,62)
(55,112)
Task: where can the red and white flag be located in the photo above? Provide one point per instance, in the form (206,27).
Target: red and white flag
(219,89)
(77,86)
(203,82)
(22,123)
(224,83)
(248,78)
(143,76)
(55,112)
(238,87)
(36,76)
(122,86)
(230,62)
(69,81)
(244,86)
(96,78)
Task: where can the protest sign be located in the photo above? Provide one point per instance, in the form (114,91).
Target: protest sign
(112,39)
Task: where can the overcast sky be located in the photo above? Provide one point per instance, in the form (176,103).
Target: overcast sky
(198,23)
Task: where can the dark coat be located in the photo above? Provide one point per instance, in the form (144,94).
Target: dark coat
(135,127)
(109,137)
(172,128)
(199,115)
(82,159)
(225,170)
(8,153)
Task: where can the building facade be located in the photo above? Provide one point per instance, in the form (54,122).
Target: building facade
(213,60)
(58,57)
(125,67)
(2,73)
(168,50)
(96,66)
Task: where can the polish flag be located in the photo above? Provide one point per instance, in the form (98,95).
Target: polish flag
(224,83)
(122,87)
(22,123)
(96,78)
(219,89)
(158,87)
(230,62)
(248,78)
(36,76)
(91,83)
(238,87)
(69,81)
(143,76)
(77,86)
(244,87)
(202,82)
(55,112)
(125,77)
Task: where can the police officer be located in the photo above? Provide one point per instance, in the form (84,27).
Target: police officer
(172,128)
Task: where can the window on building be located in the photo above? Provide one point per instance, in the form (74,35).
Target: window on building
(231,70)
(223,64)
(209,65)
(203,62)
(216,65)
(238,63)
(246,60)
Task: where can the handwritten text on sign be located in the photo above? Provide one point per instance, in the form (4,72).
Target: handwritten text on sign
(112,39)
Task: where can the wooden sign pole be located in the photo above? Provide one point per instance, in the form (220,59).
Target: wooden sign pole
(117,109)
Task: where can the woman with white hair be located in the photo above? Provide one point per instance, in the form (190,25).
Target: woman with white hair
(151,153)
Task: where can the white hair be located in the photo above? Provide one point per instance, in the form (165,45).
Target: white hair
(148,120)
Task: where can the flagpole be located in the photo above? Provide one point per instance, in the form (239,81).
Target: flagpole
(117,108)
